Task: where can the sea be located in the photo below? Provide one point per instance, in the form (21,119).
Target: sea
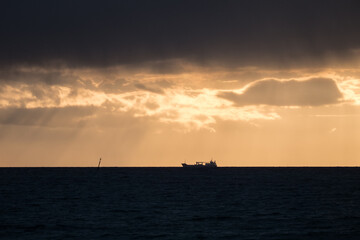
(177,203)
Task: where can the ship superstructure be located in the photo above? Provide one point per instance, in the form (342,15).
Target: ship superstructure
(211,164)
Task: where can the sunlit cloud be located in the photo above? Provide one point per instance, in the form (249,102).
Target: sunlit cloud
(194,109)
(310,92)
(332,130)
(351,90)
(191,96)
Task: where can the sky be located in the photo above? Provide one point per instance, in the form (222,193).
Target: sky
(157,83)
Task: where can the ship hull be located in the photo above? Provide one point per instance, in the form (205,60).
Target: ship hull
(198,166)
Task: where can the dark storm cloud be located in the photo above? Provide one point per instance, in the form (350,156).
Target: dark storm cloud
(105,33)
(52,77)
(312,92)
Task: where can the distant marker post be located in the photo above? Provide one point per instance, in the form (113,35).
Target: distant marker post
(99,163)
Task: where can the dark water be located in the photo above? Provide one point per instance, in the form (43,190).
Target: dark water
(176,203)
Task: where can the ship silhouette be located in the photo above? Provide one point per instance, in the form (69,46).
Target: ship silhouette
(211,164)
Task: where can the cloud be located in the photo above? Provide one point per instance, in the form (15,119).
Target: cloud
(38,75)
(312,92)
(26,104)
(332,130)
(112,33)
(150,89)
(48,117)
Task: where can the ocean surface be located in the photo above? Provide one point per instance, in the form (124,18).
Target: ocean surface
(177,203)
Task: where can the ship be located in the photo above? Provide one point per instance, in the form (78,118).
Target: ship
(211,164)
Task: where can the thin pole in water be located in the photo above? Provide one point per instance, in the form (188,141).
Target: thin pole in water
(99,163)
